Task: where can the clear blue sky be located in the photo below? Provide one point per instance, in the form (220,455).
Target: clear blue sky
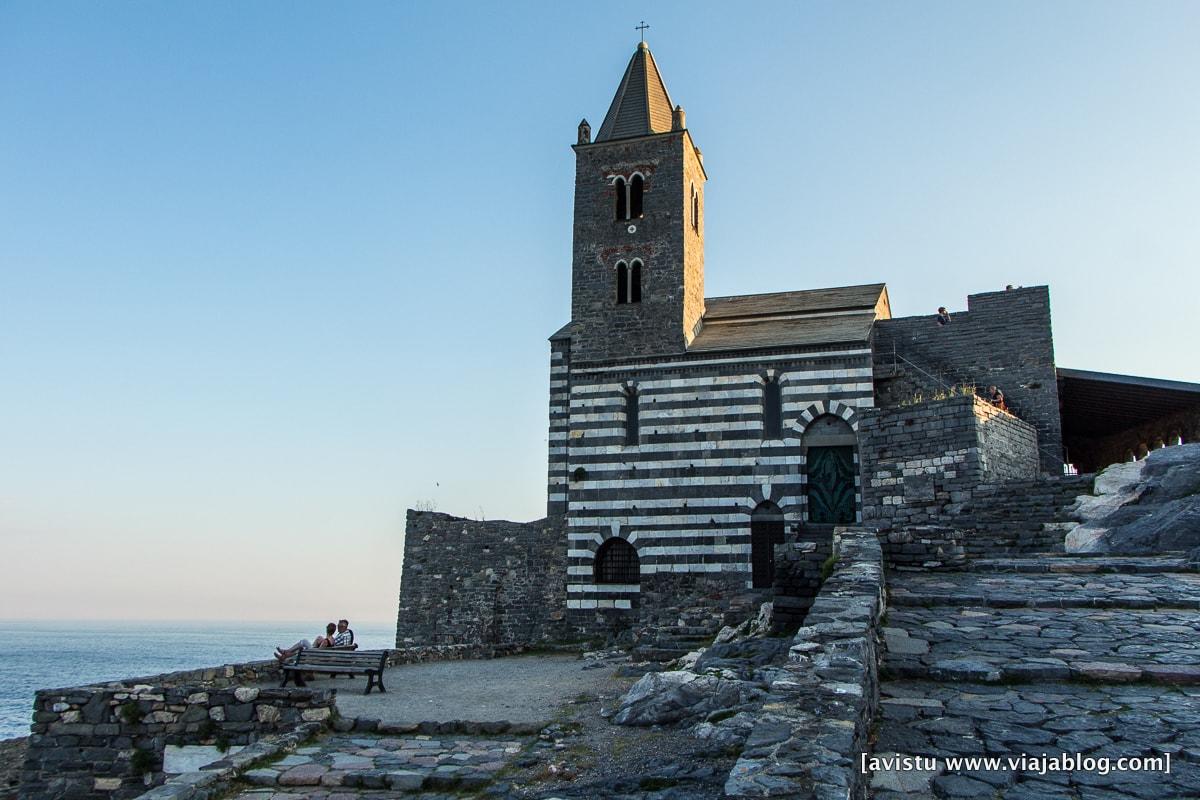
(272,272)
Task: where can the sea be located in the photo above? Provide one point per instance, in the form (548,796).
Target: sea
(51,655)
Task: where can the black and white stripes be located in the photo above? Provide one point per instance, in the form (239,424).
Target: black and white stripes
(683,495)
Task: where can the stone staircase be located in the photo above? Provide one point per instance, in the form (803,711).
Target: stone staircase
(1021,650)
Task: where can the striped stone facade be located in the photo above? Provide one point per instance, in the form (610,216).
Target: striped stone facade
(683,495)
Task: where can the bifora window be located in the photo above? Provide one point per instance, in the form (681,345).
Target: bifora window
(628,196)
(629,282)
(617,562)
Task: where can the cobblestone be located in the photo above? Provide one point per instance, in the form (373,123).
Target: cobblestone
(1046,590)
(928,719)
(399,764)
(1013,644)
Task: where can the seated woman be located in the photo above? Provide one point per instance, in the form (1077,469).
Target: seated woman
(284,653)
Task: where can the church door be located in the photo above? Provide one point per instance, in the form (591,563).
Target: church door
(766,531)
(831,485)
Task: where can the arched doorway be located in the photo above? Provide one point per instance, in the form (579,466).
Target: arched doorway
(766,531)
(829,443)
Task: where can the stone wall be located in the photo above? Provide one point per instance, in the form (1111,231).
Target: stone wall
(817,720)
(1004,338)
(492,583)
(922,463)
(108,741)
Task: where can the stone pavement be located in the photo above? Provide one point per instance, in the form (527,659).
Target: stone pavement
(524,689)
(1042,656)
(342,762)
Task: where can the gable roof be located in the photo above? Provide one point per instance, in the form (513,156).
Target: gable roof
(844,314)
(641,105)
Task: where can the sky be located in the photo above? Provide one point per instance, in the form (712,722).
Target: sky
(272,273)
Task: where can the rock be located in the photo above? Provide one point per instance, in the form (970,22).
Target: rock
(261,777)
(964,669)
(268,715)
(315,714)
(405,780)
(664,697)
(1143,507)
(1104,671)
(246,694)
(303,775)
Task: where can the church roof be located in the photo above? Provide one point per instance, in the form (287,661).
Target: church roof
(788,319)
(641,105)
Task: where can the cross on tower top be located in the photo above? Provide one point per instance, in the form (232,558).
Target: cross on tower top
(642,28)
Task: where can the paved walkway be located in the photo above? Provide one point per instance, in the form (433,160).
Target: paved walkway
(401,764)
(1042,657)
(521,689)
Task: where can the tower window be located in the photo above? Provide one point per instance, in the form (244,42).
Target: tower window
(635,281)
(695,209)
(617,562)
(622,194)
(772,410)
(622,283)
(631,417)
(635,196)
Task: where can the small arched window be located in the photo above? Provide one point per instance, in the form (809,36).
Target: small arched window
(622,283)
(621,192)
(635,281)
(695,209)
(617,562)
(772,409)
(635,196)
(631,416)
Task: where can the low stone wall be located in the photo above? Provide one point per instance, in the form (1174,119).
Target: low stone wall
(924,547)
(108,741)
(492,582)
(798,576)
(817,720)
(922,463)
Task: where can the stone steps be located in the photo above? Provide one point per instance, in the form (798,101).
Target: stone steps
(1057,562)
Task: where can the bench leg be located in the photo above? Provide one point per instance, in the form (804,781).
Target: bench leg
(370,683)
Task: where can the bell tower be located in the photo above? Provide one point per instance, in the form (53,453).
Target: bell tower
(637,275)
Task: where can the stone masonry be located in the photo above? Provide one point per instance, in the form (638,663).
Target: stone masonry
(1004,338)
(922,463)
(108,741)
(469,582)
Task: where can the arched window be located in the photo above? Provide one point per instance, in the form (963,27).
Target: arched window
(631,416)
(695,209)
(635,196)
(617,562)
(772,409)
(622,283)
(635,281)
(620,191)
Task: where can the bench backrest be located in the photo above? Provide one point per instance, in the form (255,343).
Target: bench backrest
(320,657)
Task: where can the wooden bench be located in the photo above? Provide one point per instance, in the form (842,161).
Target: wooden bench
(337,662)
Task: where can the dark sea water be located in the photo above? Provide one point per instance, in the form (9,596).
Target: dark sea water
(51,655)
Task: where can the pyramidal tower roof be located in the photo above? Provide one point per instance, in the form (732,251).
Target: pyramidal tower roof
(641,105)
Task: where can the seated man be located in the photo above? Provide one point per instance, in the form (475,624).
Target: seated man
(344,638)
(943,316)
(996,398)
(284,653)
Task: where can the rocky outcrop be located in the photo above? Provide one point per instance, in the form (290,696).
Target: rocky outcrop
(1143,507)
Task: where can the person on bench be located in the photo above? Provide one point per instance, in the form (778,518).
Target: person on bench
(284,653)
(344,638)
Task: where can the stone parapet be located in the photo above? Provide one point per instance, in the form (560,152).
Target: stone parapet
(108,741)
(922,464)
(816,720)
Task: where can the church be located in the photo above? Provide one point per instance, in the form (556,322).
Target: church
(695,441)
